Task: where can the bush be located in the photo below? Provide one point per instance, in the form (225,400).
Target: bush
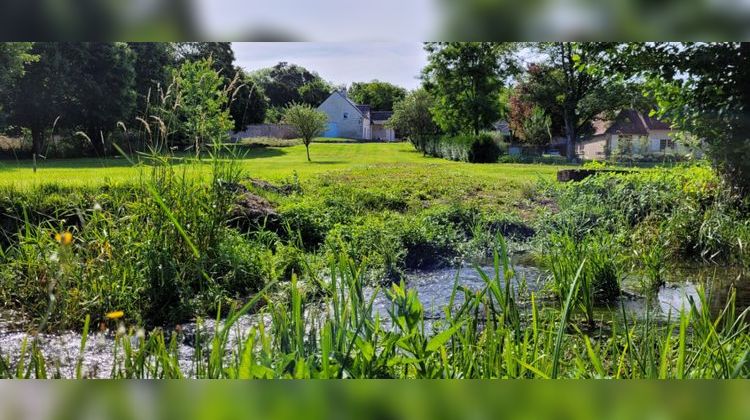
(465,148)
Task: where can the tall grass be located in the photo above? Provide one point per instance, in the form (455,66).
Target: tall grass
(486,335)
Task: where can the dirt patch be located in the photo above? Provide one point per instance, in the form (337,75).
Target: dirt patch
(252,212)
(512,230)
(284,189)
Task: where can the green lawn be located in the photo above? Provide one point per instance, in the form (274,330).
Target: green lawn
(370,160)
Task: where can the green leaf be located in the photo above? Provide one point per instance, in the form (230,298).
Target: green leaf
(576,58)
(440,339)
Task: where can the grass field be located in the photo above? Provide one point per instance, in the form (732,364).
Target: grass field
(276,163)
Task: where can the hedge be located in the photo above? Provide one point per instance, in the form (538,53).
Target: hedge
(480,148)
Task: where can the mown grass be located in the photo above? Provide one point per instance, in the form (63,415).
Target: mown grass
(277,163)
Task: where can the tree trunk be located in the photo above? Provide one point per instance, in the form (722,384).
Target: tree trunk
(570,133)
(37,140)
(307,149)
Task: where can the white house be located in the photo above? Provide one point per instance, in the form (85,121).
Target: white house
(630,131)
(349,120)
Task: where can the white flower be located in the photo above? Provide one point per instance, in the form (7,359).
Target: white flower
(97,207)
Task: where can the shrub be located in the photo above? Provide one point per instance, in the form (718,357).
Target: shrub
(481,148)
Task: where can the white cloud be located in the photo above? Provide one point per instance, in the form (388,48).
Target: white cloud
(340,62)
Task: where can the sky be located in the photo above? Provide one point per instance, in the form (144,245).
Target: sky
(399,63)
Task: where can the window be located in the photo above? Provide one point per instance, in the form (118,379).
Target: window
(346,115)
(666,144)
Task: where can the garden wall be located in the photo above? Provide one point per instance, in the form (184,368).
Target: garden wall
(280,131)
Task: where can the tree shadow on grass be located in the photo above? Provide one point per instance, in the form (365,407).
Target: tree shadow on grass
(325,162)
(123,162)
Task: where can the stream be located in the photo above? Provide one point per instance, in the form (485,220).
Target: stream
(434,289)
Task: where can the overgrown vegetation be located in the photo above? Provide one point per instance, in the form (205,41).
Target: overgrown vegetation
(481,148)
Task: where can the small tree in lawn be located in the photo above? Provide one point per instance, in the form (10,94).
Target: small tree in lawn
(306,121)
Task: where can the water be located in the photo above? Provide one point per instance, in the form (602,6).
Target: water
(434,289)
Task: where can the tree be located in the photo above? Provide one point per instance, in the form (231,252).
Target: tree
(381,96)
(584,90)
(315,92)
(285,83)
(88,85)
(307,122)
(704,89)
(43,94)
(103,88)
(199,103)
(537,87)
(220,53)
(537,128)
(465,78)
(14,56)
(153,63)
(413,119)
(248,103)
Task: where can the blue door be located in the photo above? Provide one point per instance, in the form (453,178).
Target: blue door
(332,130)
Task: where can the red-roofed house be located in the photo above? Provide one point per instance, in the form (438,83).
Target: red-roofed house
(631,131)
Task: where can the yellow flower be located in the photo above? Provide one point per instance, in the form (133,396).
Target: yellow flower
(64,238)
(115,315)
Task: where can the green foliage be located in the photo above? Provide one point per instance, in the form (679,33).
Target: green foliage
(86,85)
(249,104)
(537,128)
(152,65)
(349,340)
(702,88)
(14,56)
(285,83)
(381,96)
(592,262)
(573,87)
(306,121)
(480,148)
(465,79)
(198,107)
(412,118)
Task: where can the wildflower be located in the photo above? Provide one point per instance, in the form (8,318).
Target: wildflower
(121,329)
(65,238)
(97,207)
(140,333)
(114,315)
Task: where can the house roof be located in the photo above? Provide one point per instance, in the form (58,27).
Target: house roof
(355,106)
(654,124)
(628,121)
(381,115)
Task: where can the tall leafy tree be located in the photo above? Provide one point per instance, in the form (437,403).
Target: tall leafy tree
(584,90)
(220,53)
(199,107)
(704,89)
(538,87)
(153,63)
(286,83)
(412,117)
(466,78)
(75,85)
(379,95)
(14,56)
(248,102)
(104,83)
